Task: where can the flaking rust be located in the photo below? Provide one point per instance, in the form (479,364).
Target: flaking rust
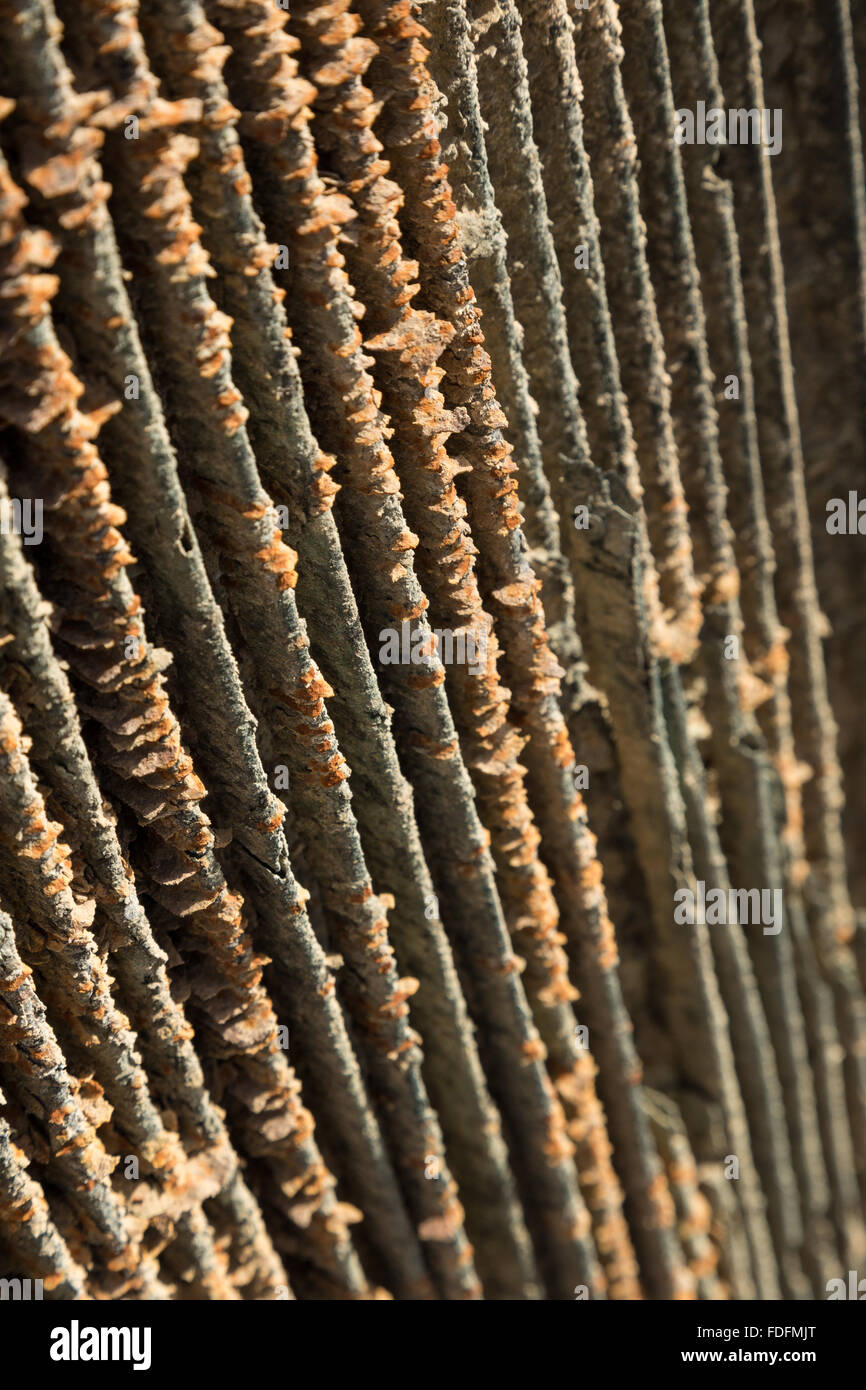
(34,1069)
(407,344)
(149,754)
(300,973)
(261,336)
(74,981)
(244,386)
(27,1224)
(62,923)
(368,505)
(412,139)
(236,526)
(234,1018)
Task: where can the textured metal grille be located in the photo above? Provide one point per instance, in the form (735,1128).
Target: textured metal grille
(432,775)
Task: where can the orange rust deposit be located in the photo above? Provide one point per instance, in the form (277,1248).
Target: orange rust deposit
(339,968)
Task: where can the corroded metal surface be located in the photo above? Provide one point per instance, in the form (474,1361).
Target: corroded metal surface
(337,346)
